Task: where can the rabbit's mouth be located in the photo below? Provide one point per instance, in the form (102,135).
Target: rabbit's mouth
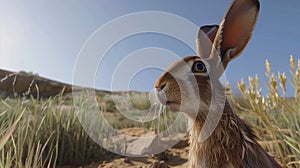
(172,105)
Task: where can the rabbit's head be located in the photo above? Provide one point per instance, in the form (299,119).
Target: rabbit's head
(186,84)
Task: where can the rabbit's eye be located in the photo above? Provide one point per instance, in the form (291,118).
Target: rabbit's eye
(199,67)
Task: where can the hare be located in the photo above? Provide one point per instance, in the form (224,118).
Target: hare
(232,142)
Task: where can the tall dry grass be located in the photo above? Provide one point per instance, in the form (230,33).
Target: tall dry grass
(275,117)
(43,133)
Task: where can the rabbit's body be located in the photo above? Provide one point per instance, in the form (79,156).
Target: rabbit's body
(231,145)
(192,86)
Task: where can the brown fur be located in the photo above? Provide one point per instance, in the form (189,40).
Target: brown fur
(232,143)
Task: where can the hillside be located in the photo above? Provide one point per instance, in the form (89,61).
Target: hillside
(24,84)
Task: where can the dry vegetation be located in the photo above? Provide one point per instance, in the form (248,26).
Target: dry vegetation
(275,117)
(47,133)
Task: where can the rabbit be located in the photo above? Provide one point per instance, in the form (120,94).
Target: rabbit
(188,83)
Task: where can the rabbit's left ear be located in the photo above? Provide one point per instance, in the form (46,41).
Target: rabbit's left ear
(205,39)
(236,29)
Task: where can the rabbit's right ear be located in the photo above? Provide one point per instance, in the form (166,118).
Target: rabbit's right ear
(236,29)
(205,39)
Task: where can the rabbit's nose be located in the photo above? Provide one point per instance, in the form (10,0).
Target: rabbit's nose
(160,85)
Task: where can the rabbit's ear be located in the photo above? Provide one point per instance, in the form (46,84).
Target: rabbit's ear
(236,29)
(205,39)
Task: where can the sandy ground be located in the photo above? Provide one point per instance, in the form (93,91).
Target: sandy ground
(173,158)
(176,157)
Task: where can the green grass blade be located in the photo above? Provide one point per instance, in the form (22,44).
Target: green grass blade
(292,146)
(10,131)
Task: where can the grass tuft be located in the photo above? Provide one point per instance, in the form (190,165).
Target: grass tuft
(275,117)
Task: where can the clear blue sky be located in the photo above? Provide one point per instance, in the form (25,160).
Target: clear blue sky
(45,37)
